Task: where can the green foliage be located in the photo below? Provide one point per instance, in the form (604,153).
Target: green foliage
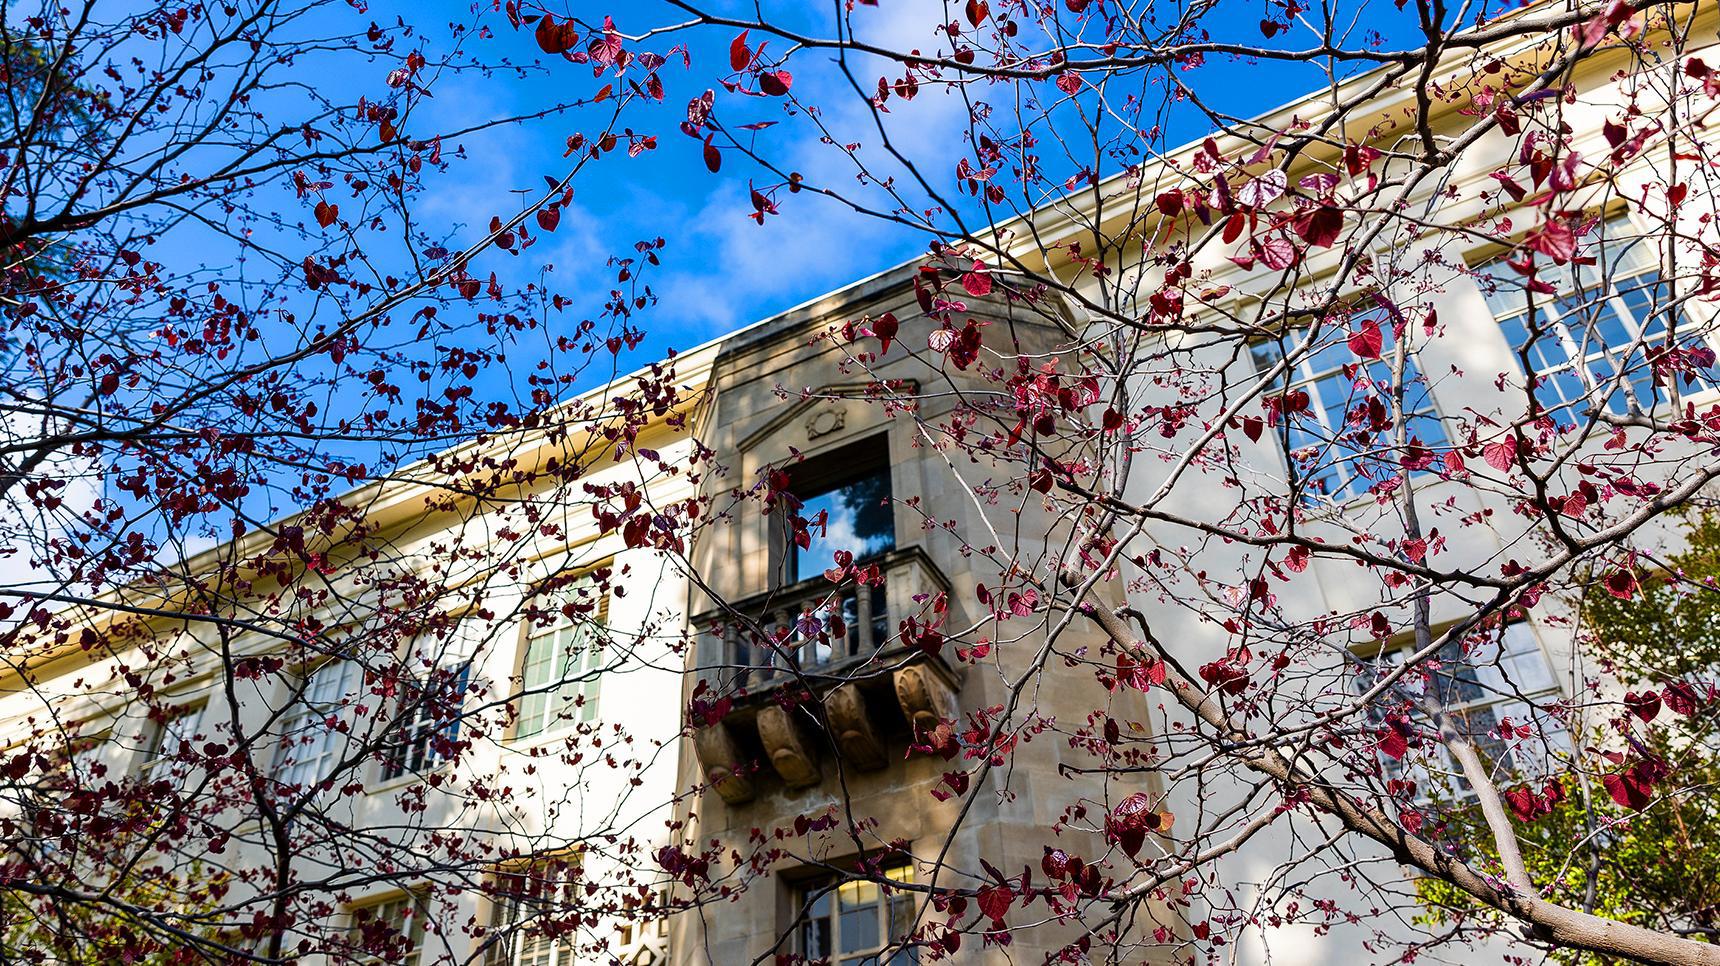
(1658,868)
(1681,607)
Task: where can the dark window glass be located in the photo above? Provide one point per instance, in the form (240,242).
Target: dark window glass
(857,924)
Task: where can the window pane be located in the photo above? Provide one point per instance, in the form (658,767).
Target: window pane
(815,938)
(1338,446)
(1609,313)
(858,931)
(309,742)
(858,518)
(559,674)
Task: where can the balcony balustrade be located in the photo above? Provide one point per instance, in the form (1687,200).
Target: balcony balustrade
(821,656)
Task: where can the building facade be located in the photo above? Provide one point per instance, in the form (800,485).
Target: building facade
(786,691)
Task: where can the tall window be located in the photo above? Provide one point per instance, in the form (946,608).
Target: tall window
(845,504)
(1491,689)
(561,670)
(391,931)
(527,919)
(429,720)
(1341,441)
(1591,339)
(311,739)
(175,738)
(855,922)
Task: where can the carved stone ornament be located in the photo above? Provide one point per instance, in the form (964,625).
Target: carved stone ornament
(823,422)
(851,726)
(722,763)
(789,753)
(924,696)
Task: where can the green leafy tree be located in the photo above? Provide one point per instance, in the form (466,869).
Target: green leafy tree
(1658,868)
(1654,863)
(1679,604)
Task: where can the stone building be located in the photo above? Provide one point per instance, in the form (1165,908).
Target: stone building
(848,729)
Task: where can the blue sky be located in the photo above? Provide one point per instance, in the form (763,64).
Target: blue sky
(721,270)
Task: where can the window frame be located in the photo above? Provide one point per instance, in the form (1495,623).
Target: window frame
(412,749)
(417,927)
(1497,695)
(1349,482)
(810,892)
(1509,305)
(586,682)
(303,712)
(158,761)
(826,472)
(504,922)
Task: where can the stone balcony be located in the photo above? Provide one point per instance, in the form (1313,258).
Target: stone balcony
(815,666)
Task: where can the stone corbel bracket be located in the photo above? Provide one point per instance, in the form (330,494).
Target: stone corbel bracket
(926,695)
(851,726)
(722,762)
(789,751)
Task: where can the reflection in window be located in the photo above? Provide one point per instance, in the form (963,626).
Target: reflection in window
(853,515)
(854,923)
(1596,331)
(1341,442)
(560,674)
(1483,687)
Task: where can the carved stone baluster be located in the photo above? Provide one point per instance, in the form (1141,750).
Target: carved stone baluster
(861,633)
(721,759)
(735,654)
(851,726)
(790,753)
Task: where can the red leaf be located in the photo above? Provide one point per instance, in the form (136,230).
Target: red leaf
(550,35)
(978,280)
(1069,82)
(775,83)
(1320,226)
(885,329)
(1621,584)
(713,158)
(1629,789)
(977,11)
(1555,240)
(1129,823)
(1501,454)
(1645,705)
(739,56)
(1297,560)
(1681,698)
(1277,252)
(326,213)
(1393,743)
(994,902)
(1367,341)
(1252,426)
(548,218)
(1524,804)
